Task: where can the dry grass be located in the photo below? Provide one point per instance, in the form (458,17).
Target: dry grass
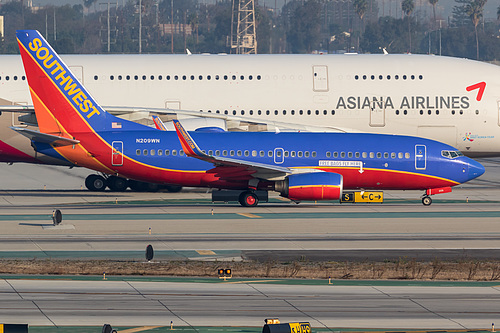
(464,270)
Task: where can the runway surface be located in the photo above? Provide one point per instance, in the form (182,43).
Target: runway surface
(129,303)
(188,226)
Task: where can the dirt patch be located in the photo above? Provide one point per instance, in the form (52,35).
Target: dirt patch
(464,270)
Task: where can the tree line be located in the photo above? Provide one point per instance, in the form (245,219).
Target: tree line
(301,26)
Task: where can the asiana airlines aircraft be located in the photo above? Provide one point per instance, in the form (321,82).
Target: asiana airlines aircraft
(300,166)
(455,101)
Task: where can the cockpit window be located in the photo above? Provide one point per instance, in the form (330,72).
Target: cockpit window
(451,154)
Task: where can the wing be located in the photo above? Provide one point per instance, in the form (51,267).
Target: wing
(141,113)
(229,168)
(36,136)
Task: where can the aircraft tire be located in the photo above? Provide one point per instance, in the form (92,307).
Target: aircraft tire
(248,199)
(426,201)
(173,188)
(95,183)
(117,184)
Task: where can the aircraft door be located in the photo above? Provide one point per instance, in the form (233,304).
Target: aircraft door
(377,112)
(320,78)
(420,157)
(117,153)
(279,155)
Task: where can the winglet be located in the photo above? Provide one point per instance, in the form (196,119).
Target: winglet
(187,143)
(158,123)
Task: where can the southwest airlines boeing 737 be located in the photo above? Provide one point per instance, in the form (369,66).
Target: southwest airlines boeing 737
(300,166)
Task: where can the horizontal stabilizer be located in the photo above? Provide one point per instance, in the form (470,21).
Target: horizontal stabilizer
(45,138)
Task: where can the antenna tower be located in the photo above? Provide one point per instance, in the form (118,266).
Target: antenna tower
(243,36)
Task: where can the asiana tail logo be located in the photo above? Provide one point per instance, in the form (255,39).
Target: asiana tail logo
(471,137)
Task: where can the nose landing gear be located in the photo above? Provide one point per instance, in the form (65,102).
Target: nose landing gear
(426,201)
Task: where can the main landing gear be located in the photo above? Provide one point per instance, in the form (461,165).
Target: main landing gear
(98,183)
(248,199)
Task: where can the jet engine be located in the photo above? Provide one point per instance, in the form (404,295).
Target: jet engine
(311,186)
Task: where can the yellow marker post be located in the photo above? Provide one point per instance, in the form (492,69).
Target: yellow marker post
(104,276)
(329,280)
(171,325)
(212,211)
(150,231)
(493,327)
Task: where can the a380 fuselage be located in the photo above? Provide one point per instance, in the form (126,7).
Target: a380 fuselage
(451,100)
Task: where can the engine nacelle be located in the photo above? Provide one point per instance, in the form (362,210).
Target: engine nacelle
(311,186)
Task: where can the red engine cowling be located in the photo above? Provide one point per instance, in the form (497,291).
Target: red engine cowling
(311,186)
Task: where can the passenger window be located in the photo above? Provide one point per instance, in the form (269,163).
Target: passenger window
(247,153)
(357,155)
(270,153)
(372,155)
(160,152)
(393,155)
(286,153)
(174,152)
(400,155)
(386,155)
(153,152)
(407,155)
(313,154)
(239,153)
(167,152)
(231,153)
(278,153)
(211,153)
(224,153)
(181,152)
(328,154)
(342,154)
(145,152)
(349,154)
(364,154)
(217,153)
(292,153)
(379,155)
(335,154)
(306,154)
(262,154)
(299,154)
(138,152)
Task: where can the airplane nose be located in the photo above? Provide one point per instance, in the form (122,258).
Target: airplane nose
(476,169)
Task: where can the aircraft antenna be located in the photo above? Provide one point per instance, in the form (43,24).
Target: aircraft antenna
(243,36)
